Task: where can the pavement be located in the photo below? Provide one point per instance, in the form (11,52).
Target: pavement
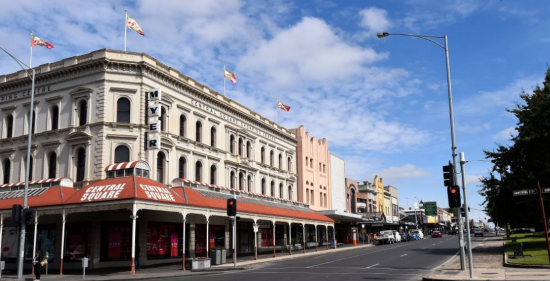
(488,264)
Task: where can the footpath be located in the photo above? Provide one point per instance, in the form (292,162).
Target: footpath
(174,270)
(488,261)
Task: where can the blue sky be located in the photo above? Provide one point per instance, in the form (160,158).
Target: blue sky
(382,104)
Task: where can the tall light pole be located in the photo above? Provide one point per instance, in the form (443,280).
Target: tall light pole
(445,47)
(27,172)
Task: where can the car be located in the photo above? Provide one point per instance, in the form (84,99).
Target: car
(478,231)
(436,234)
(398,237)
(385,237)
(414,236)
(420,234)
(454,232)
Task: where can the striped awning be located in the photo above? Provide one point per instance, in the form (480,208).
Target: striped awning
(31,182)
(121,166)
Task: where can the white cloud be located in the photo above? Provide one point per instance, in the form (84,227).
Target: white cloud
(374,20)
(394,175)
(472,180)
(505,135)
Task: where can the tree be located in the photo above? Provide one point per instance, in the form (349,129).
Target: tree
(521,165)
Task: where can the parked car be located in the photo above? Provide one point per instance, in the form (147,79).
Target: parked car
(385,237)
(398,237)
(414,236)
(478,231)
(436,234)
(405,237)
(420,234)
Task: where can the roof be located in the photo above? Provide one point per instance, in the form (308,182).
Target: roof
(131,187)
(37,197)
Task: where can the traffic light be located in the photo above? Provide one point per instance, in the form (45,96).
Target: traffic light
(16,214)
(231,207)
(448,175)
(462,211)
(29,215)
(453,190)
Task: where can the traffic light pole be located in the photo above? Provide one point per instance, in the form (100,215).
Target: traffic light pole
(235,234)
(469,241)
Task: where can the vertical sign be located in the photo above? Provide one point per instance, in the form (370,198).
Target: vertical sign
(152,136)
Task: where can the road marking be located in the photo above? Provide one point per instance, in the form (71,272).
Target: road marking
(326,273)
(385,249)
(403,255)
(370,266)
(433,244)
(423,248)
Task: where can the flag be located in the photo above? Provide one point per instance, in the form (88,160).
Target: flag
(283,107)
(230,75)
(37,42)
(132,24)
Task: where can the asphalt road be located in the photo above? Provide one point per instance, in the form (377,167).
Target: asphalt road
(401,261)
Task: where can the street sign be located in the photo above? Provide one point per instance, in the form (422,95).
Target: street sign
(430,208)
(546,190)
(525,192)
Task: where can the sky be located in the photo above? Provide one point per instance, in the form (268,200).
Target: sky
(381,103)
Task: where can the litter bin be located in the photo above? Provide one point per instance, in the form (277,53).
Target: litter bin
(332,244)
(223,255)
(215,256)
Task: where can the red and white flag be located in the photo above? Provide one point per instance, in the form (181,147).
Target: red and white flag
(283,107)
(37,42)
(132,24)
(230,75)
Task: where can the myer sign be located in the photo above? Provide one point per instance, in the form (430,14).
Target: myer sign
(152,119)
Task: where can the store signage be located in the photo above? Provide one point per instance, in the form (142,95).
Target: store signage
(264,225)
(102,192)
(152,136)
(154,110)
(228,118)
(154,127)
(24,94)
(157,192)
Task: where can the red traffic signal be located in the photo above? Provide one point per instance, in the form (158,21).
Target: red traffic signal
(453,194)
(231,207)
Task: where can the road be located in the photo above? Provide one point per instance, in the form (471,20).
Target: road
(401,261)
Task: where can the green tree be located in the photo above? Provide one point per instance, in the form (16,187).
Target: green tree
(523,164)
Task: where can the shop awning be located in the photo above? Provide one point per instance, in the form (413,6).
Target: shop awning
(339,216)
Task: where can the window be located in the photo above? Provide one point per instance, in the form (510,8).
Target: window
(324,168)
(52,166)
(213,174)
(7,170)
(198,131)
(307,161)
(312,198)
(326,202)
(54,117)
(352,201)
(311,162)
(9,126)
(32,128)
(263,186)
(82,113)
(241,181)
(289,164)
(162,119)
(123,110)
(31,164)
(281,190)
(320,167)
(271,158)
(289,192)
(198,171)
(280,161)
(213,137)
(183,120)
(80,164)
(182,165)
(263,155)
(249,183)
(248,149)
(160,167)
(232,144)
(232,180)
(273,188)
(307,195)
(240,147)
(321,199)
(122,154)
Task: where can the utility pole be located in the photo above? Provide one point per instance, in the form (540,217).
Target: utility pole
(469,241)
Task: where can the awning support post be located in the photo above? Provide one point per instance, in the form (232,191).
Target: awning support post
(304,236)
(316,234)
(133,217)
(64,216)
(290,238)
(34,243)
(183,247)
(273,238)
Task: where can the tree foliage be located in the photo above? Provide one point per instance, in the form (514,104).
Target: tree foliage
(523,164)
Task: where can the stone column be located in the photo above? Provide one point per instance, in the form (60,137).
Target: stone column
(290,238)
(133,217)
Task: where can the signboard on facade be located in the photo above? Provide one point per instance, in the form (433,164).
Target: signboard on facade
(152,136)
(430,208)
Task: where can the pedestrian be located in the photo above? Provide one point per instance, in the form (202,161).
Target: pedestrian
(37,263)
(138,262)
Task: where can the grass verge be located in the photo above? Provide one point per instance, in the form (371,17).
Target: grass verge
(534,248)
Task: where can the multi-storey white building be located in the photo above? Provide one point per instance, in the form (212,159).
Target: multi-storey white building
(90,111)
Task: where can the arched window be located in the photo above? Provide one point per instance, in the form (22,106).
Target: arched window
(281,190)
(290,192)
(273,188)
(33,121)
(82,113)
(321,199)
(271,158)
(241,181)
(280,161)
(7,171)
(241,147)
(249,183)
(80,164)
(31,168)
(54,117)
(324,168)
(232,180)
(307,196)
(263,155)
(289,164)
(312,198)
(232,144)
(122,154)
(352,200)
(263,186)
(183,120)
(161,159)
(248,149)
(198,131)
(198,171)
(213,136)
(52,166)
(162,119)
(123,110)
(182,167)
(9,126)
(213,174)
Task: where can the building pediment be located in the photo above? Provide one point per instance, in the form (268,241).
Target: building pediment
(78,137)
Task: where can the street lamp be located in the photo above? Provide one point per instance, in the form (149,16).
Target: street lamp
(445,47)
(26,68)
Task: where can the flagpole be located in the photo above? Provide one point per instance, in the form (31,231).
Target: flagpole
(125,29)
(223,79)
(30,63)
(277,109)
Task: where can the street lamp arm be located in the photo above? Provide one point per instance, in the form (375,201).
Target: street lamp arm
(21,64)
(425,37)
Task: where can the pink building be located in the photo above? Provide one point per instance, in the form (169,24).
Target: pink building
(313,167)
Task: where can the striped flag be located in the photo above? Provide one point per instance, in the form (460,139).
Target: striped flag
(37,42)
(132,24)
(283,107)
(230,75)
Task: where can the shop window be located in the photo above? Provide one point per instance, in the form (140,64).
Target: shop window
(54,117)
(80,164)
(213,137)
(182,166)
(164,240)
(122,154)
(213,174)
(82,113)
(123,110)
(9,126)
(45,242)
(216,238)
(52,165)
(78,243)
(183,120)
(116,240)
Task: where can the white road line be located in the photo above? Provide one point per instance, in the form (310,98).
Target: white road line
(433,244)
(423,248)
(370,266)
(326,273)
(403,255)
(385,249)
